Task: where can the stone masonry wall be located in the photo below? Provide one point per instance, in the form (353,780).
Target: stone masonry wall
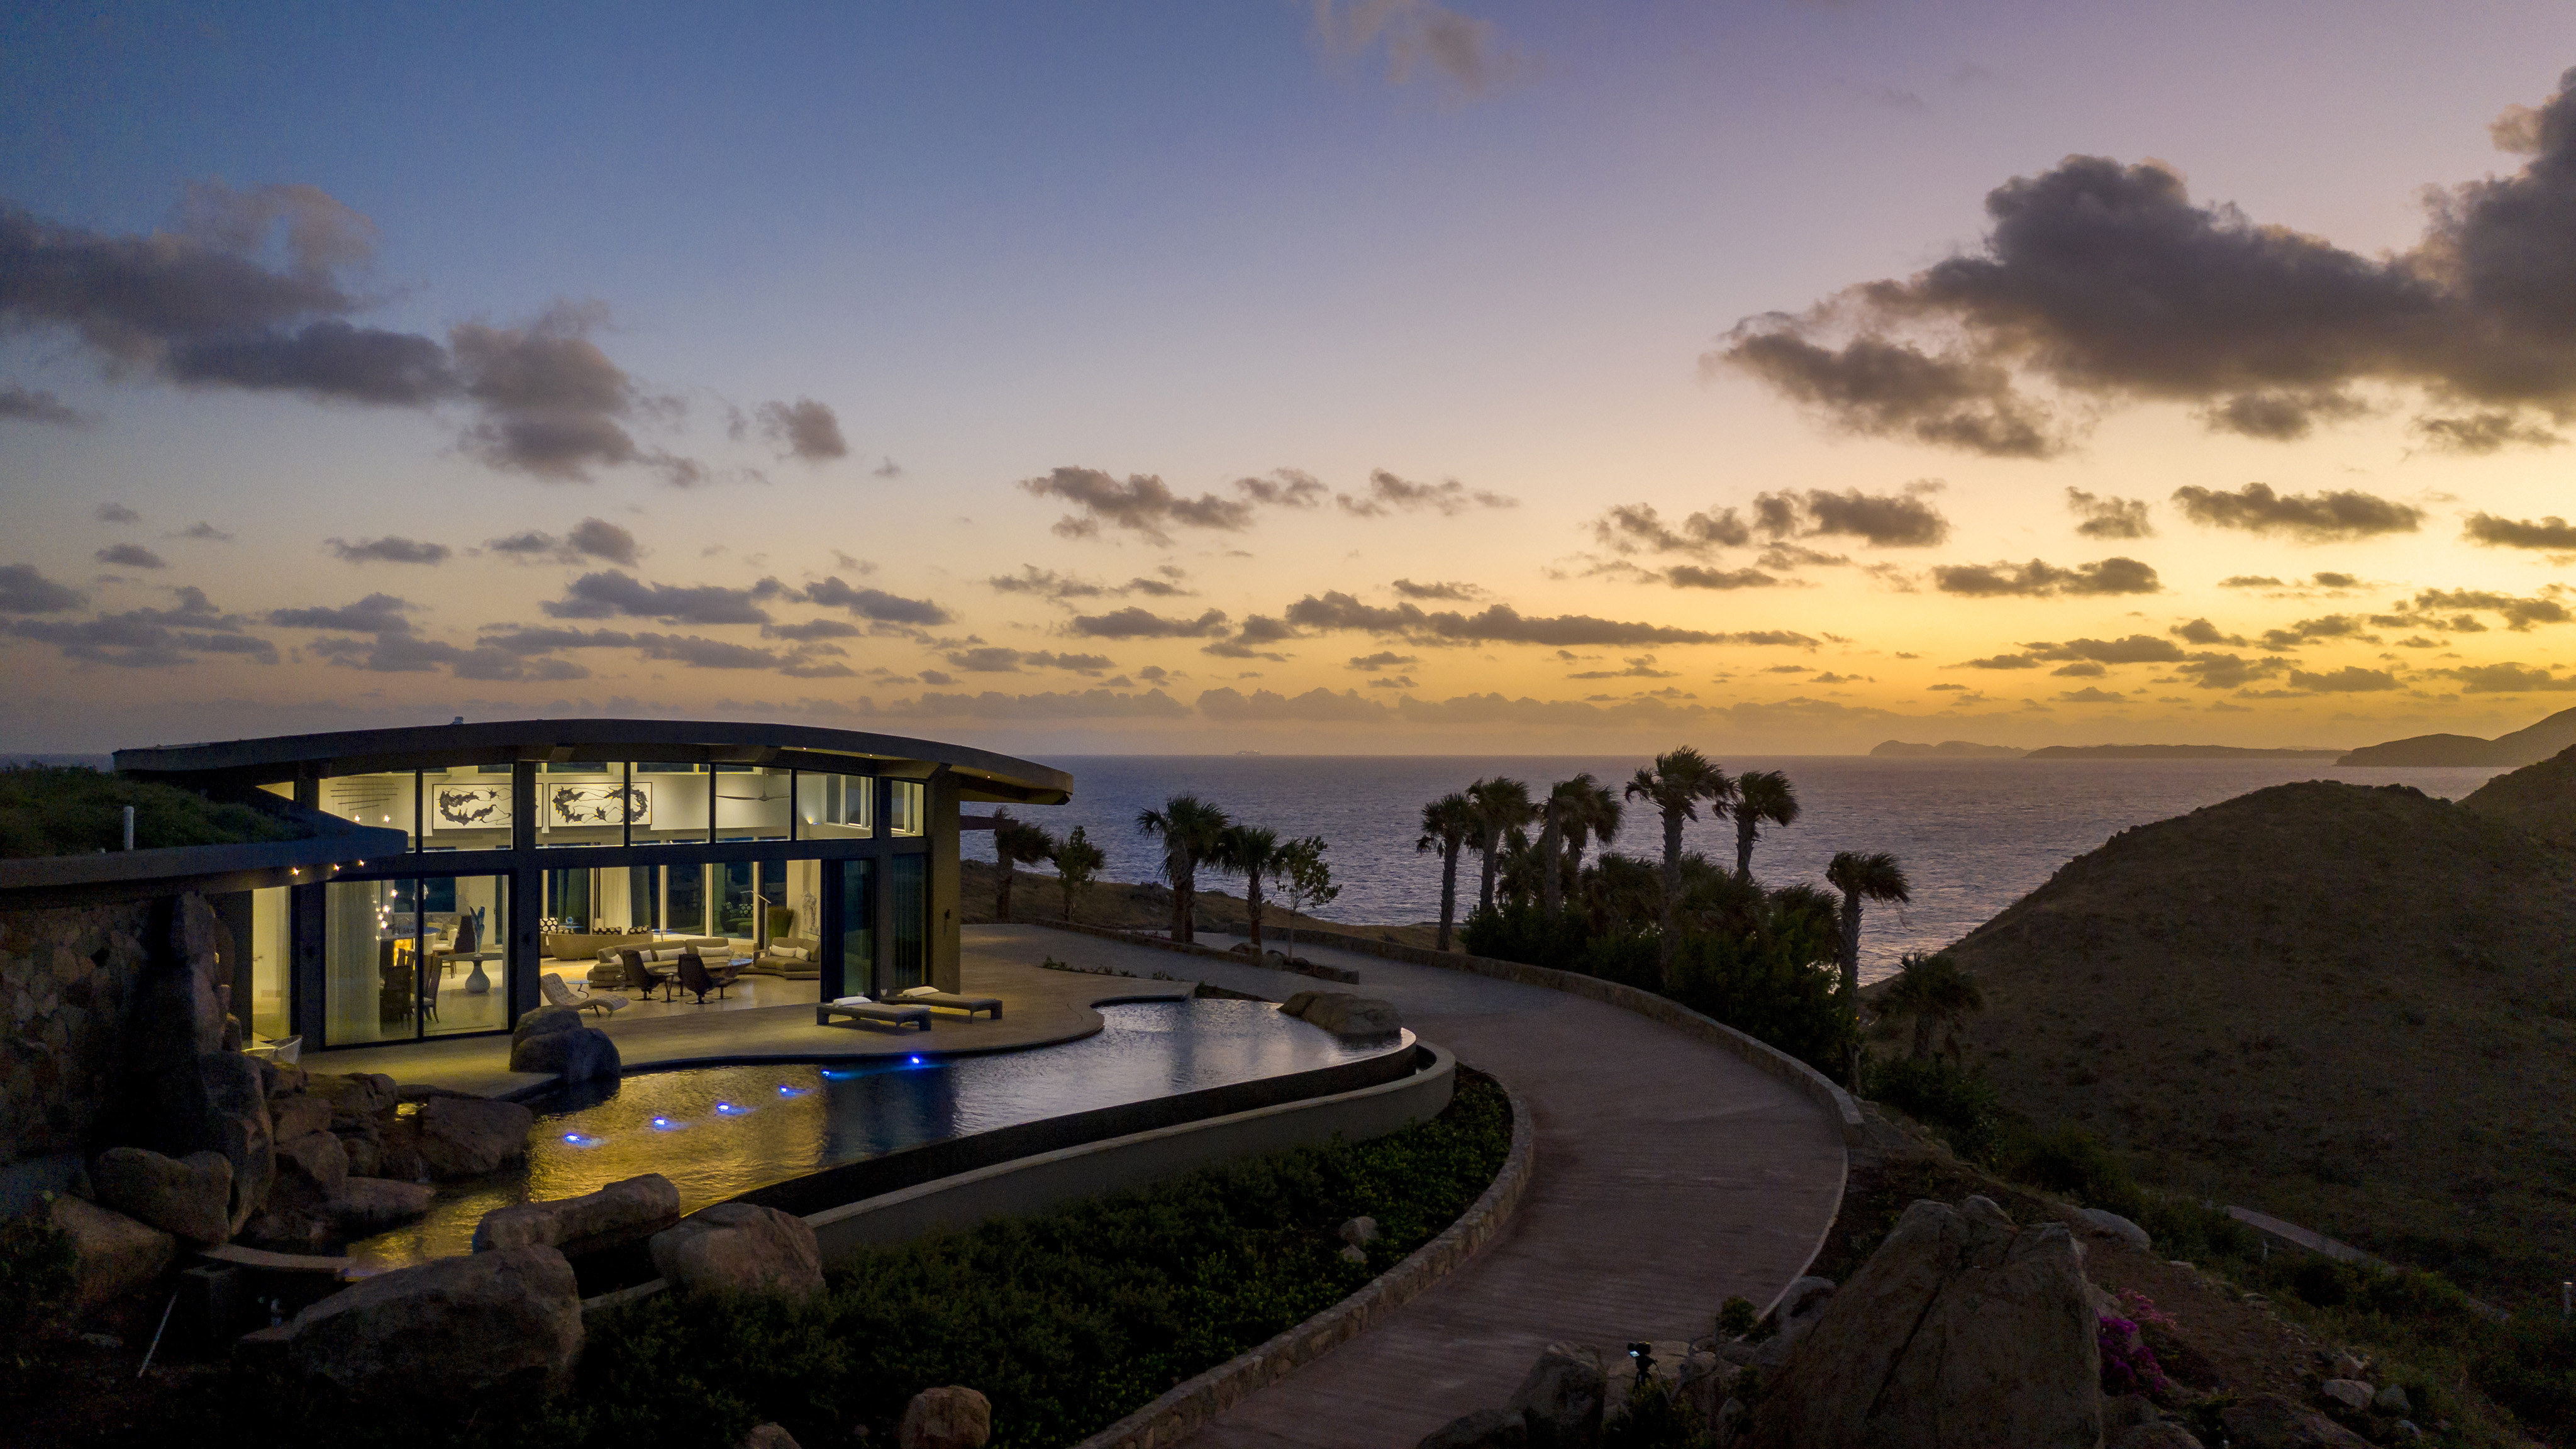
(68,977)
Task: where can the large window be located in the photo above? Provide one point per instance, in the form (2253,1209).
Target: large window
(835,807)
(272,947)
(669,804)
(414,957)
(684,899)
(907,934)
(466,808)
(568,901)
(384,801)
(859,926)
(751,803)
(584,803)
(904,810)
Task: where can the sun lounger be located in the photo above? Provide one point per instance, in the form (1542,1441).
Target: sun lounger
(558,994)
(897,1017)
(954,1002)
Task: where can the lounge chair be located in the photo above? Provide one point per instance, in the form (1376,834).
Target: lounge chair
(929,996)
(858,1009)
(558,994)
(694,976)
(643,978)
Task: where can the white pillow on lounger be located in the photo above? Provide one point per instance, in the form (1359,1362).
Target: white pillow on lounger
(922,991)
(852,1001)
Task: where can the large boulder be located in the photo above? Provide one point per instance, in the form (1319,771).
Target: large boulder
(447,1329)
(954,1417)
(619,1208)
(453,1138)
(739,1247)
(296,1115)
(1343,1013)
(236,1124)
(189,1197)
(1562,1398)
(112,1254)
(310,1170)
(353,1094)
(1960,1330)
(553,1039)
(372,1204)
(2108,1224)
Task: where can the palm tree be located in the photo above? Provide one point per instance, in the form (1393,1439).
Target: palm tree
(1189,828)
(1251,852)
(1502,806)
(1860,877)
(1015,843)
(1675,786)
(1446,824)
(1935,992)
(1077,860)
(1575,808)
(1760,796)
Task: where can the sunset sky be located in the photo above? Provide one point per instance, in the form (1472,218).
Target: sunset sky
(1772,377)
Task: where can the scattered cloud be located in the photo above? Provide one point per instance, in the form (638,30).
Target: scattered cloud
(2249,581)
(2351,679)
(994,659)
(374,614)
(204,532)
(804,429)
(1142,505)
(1467,55)
(24,590)
(2039,580)
(2107,517)
(2135,649)
(874,604)
(2201,631)
(2091,695)
(610,594)
(145,638)
(131,556)
(1458,593)
(1048,584)
(1136,623)
(391,548)
(1502,624)
(2337,516)
(1383,659)
(1693,576)
(2478,434)
(2551,533)
(1284,488)
(1389,494)
(592,538)
(26,405)
(1886,520)
(115,513)
(2509,678)
(1640,667)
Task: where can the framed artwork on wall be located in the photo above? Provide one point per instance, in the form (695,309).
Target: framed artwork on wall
(469,807)
(598,804)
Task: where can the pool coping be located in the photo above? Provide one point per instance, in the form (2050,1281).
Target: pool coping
(1190,1405)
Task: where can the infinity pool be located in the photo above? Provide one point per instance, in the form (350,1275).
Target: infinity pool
(719,1132)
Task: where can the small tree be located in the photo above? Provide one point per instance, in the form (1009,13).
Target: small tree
(1077,862)
(1015,843)
(1305,878)
(1253,853)
(1936,993)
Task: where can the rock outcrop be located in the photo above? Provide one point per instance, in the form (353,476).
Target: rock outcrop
(112,1254)
(188,1197)
(1343,1013)
(1562,1397)
(1961,1330)
(2269,1421)
(452,1138)
(553,1039)
(738,1247)
(954,1417)
(451,1328)
(617,1209)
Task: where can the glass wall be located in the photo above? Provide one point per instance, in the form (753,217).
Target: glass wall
(643,898)
(467,808)
(568,903)
(904,811)
(668,803)
(801,900)
(908,881)
(859,927)
(583,803)
(408,958)
(383,801)
(835,807)
(272,948)
(737,899)
(684,899)
(751,803)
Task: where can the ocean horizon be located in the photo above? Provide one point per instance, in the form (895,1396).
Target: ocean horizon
(1974,835)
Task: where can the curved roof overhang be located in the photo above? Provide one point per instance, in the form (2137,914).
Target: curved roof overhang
(979,774)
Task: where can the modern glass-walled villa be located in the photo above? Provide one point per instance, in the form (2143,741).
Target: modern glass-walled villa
(537,844)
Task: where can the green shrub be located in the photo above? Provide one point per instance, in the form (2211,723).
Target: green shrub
(2530,1368)
(1736,1317)
(2322,1283)
(2074,1163)
(1768,989)
(2193,1231)
(1960,1105)
(1523,931)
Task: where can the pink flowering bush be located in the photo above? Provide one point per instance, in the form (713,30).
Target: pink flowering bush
(2128,1365)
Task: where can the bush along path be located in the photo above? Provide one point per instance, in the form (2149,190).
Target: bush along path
(1065,1322)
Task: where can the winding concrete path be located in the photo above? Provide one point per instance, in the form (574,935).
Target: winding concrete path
(1670,1176)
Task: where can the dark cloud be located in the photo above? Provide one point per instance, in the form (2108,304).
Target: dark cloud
(1693,576)
(1047,707)
(327,359)
(2478,434)
(1640,667)
(592,538)
(1456,593)
(131,556)
(888,468)
(2327,517)
(804,661)
(2307,631)
(611,594)
(1388,494)
(804,429)
(2226,671)
(1631,527)
(1135,623)
(25,405)
(389,549)
(2351,679)
(2090,695)
(23,590)
(1383,659)
(2135,649)
(2086,670)
(2107,284)
(2001,661)
(2519,613)
(1318,705)
(1888,520)
(204,532)
(2105,517)
(115,513)
(2249,581)
(2551,533)
(1502,624)
(993,659)
(2043,580)
(551,400)
(374,614)
(150,638)
(2330,580)
(875,604)
(1048,584)
(2201,631)
(1284,488)
(2511,678)
(1142,505)
(811,630)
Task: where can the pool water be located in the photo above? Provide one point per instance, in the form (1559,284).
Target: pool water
(719,1132)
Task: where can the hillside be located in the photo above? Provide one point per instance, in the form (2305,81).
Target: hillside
(1946,750)
(2172,752)
(2348,1006)
(2540,798)
(2526,746)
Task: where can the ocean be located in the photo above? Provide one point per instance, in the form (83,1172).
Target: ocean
(1973,835)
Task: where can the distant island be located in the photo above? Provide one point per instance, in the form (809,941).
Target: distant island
(1947,749)
(2523,747)
(2173,752)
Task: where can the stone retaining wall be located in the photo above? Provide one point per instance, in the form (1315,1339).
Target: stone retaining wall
(1188,1408)
(1192,948)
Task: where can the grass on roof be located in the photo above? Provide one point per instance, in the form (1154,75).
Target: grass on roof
(75,810)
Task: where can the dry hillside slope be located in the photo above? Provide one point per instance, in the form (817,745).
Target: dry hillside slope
(2349,1006)
(2540,798)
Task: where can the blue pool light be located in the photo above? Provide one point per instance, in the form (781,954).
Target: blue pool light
(665,1124)
(578,1140)
(916,1061)
(728,1109)
(831,1075)
(785,1090)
